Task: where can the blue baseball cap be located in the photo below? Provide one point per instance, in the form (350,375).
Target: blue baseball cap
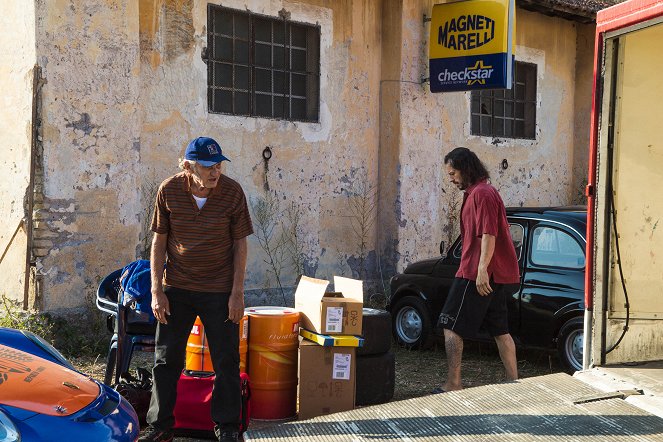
(205,151)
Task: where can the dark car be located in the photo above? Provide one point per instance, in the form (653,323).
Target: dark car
(547,311)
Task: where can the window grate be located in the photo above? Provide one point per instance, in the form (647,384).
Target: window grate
(508,113)
(262,66)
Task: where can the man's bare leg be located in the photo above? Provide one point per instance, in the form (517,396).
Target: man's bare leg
(507,351)
(453,346)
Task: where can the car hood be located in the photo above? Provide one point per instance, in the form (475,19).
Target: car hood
(35,384)
(422,267)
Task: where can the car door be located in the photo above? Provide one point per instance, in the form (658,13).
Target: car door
(443,275)
(553,279)
(518,229)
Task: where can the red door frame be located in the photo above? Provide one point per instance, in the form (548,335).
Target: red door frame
(616,17)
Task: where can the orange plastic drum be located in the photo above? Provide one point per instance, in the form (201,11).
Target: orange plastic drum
(243,342)
(197,351)
(273,343)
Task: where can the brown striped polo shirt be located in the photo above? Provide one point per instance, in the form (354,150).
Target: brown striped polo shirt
(200,242)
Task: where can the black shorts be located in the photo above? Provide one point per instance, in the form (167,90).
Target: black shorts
(465,310)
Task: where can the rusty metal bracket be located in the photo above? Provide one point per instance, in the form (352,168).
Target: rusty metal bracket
(619,394)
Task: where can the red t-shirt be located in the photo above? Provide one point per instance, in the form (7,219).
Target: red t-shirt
(483,212)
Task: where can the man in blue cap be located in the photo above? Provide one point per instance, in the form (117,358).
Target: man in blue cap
(200,224)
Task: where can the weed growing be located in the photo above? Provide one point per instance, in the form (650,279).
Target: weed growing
(79,334)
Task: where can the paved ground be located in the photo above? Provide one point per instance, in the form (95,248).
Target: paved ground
(552,408)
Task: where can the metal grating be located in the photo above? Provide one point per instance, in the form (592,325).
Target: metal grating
(533,409)
(262,66)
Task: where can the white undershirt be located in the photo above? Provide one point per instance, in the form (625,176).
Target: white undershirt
(200,201)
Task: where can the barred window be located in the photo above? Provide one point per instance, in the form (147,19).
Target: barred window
(262,66)
(509,113)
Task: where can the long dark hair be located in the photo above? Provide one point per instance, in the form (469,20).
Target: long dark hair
(470,166)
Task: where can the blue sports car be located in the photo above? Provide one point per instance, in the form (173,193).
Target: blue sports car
(44,398)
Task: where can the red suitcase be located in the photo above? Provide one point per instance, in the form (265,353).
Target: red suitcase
(193,406)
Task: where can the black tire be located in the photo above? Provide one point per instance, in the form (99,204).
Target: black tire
(411,323)
(569,344)
(375,329)
(375,379)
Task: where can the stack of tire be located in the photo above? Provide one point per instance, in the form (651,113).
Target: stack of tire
(376,363)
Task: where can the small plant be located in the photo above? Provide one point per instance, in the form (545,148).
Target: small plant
(266,213)
(452,228)
(362,204)
(13,316)
(579,198)
(148,193)
(82,333)
(280,236)
(293,237)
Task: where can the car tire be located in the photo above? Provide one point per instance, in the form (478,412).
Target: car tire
(570,345)
(375,379)
(375,329)
(411,323)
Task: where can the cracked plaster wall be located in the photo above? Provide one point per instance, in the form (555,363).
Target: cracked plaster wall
(127,90)
(541,172)
(17,52)
(314,165)
(88,224)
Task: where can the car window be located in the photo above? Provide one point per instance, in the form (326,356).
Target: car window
(458,251)
(554,247)
(517,234)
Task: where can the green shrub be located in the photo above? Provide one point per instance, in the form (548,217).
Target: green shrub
(79,334)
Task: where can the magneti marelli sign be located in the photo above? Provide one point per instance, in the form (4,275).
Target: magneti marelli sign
(471,45)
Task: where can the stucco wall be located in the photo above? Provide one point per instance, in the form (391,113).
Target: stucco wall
(88,225)
(314,166)
(127,89)
(583,110)
(540,172)
(17,52)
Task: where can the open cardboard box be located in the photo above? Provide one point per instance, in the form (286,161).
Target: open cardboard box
(332,313)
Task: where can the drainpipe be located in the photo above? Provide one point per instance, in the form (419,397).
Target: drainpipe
(37,83)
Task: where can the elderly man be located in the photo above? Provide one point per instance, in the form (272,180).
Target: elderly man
(200,224)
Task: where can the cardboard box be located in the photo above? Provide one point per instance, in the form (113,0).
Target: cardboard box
(332,341)
(326,379)
(332,313)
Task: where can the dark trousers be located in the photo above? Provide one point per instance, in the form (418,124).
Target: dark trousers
(171,339)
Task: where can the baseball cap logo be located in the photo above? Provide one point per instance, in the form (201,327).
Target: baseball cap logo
(213,149)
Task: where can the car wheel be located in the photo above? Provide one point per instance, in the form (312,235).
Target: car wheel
(570,345)
(411,323)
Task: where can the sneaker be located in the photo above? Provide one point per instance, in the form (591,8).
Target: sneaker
(153,434)
(226,435)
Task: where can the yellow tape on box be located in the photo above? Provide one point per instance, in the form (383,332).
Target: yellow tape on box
(332,341)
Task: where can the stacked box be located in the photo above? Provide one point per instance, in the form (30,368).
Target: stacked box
(327,358)
(326,379)
(330,313)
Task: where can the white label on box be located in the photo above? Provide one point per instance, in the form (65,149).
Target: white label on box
(334,319)
(245,330)
(342,366)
